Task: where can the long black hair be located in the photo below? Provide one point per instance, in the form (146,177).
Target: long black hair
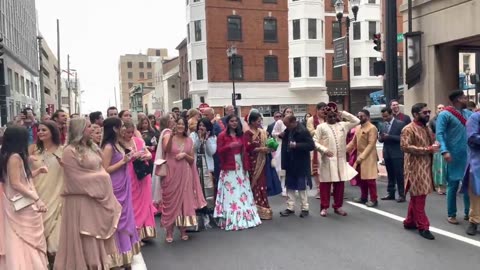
(53,127)
(15,141)
(238,130)
(254,116)
(185,123)
(109,134)
(207,123)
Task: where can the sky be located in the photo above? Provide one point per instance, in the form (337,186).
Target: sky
(96,32)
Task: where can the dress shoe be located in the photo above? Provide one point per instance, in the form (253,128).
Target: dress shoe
(426,234)
(286,213)
(452,220)
(360,200)
(304,214)
(340,212)
(401,199)
(472,229)
(323,213)
(466,217)
(388,198)
(409,226)
(372,204)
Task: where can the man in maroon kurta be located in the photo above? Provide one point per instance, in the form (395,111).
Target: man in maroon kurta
(418,146)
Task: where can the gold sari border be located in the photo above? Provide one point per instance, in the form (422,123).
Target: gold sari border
(147,233)
(122,259)
(186,221)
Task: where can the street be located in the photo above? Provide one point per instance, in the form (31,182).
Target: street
(362,240)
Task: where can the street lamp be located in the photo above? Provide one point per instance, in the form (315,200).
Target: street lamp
(232,53)
(339,8)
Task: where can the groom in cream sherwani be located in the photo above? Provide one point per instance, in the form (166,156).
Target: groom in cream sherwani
(330,140)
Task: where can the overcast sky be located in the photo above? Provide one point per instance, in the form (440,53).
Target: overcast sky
(96,32)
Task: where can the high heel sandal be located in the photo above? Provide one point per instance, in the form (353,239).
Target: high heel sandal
(184,235)
(168,237)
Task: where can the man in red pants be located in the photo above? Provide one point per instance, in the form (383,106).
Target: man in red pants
(330,140)
(418,146)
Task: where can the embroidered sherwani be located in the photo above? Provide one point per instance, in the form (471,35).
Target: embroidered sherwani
(415,141)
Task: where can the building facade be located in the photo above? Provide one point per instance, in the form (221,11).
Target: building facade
(185,101)
(285,54)
(18,28)
(49,69)
(449,27)
(137,69)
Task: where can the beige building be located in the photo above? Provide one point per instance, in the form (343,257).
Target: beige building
(137,69)
(449,27)
(50,68)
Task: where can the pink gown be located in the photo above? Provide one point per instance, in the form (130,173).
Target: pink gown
(181,190)
(22,243)
(142,199)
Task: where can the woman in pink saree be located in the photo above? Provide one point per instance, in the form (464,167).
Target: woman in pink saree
(22,243)
(181,190)
(90,212)
(143,208)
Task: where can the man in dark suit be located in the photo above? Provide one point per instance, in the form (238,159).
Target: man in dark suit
(395,106)
(392,154)
(296,147)
(276,116)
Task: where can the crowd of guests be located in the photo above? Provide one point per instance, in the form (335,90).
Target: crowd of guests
(82,193)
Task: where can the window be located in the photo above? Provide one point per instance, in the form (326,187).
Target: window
(130,75)
(323,68)
(337,72)
(297,67)
(313,67)
(466,61)
(129,64)
(271,68)
(372,1)
(190,70)
(357,66)
(130,85)
(296,29)
(198,30)
(372,29)
(321,27)
(17,82)
(35,91)
(157,53)
(28,89)
(336,31)
(270,30)
(188,33)
(356,31)
(22,82)
(10,78)
(199,64)
(142,75)
(312,28)
(141,65)
(234,24)
(149,64)
(149,75)
(150,84)
(237,68)
(400,70)
(371,61)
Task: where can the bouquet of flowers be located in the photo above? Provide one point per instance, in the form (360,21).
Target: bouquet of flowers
(272,144)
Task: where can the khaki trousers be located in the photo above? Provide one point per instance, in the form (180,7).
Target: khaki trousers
(474,206)
(292,198)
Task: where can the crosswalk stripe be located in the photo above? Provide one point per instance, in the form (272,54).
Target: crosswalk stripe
(432,229)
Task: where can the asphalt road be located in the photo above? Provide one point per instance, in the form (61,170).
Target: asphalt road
(362,240)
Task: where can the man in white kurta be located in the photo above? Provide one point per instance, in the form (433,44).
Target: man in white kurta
(330,140)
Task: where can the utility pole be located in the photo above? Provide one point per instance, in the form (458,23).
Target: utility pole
(40,76)
(77,109)
(391,83)
(59,69)
(69,88)
(115,96)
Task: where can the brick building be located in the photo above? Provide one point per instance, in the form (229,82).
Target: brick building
(186,101)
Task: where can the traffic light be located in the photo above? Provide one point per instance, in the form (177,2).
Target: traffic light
(377,40)
(1,46)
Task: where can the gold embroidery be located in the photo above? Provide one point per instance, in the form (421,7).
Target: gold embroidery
(265,213)
(147,233)
(187,221)
(121,259)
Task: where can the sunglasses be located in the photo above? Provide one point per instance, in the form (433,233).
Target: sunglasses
(426,112)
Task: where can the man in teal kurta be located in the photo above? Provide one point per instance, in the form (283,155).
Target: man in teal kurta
(452,136)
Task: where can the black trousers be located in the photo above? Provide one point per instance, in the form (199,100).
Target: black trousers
(395,176)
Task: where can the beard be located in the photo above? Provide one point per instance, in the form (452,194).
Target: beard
(424,120)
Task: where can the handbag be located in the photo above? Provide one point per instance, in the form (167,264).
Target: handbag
(20,202)
(142,168)
(161,167)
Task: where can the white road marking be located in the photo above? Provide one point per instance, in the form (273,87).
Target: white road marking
(138,262)
(432,229)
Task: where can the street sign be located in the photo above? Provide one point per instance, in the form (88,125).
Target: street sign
(400,38)
(339,52)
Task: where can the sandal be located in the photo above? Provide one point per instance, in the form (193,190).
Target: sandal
(184,235)
(168,237)
(323,213)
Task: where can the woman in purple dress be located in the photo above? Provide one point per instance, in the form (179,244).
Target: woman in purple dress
(115,160)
